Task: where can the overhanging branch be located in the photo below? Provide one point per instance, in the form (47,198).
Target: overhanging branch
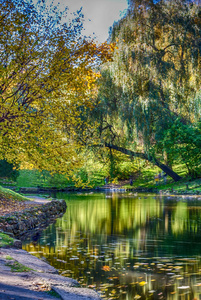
(149,158)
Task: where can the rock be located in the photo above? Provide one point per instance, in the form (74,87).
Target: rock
(72,293)
(30,261)
(67,288)
(17,244)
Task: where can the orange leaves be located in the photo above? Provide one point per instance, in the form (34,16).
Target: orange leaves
(106,268)
(96,53)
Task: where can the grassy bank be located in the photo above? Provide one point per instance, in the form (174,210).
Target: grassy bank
(186,185)
(143,177)
(7,194)
(5,240)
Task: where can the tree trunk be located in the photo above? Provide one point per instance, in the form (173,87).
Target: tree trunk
(167,160)
(153,160)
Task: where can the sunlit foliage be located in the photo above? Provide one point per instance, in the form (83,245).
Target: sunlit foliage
(154,79)
(46,78)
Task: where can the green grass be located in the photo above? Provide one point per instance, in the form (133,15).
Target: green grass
(7,182)
(143,173)
(34,178)
(8,257)
(9,194)
(5,240)
(145,178)
(185,185)
(17,267)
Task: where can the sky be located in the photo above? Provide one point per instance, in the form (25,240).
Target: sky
(99,14)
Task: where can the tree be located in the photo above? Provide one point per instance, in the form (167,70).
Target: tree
(183,142)
(47,75)
(154,78)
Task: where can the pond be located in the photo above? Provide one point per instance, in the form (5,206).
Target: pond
(127,246)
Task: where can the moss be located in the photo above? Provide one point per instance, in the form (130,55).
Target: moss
(5,240)
(9,218)
(8,257)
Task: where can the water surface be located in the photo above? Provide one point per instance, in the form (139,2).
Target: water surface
(127,246)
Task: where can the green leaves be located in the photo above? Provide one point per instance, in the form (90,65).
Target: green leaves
(149,94)
(182,142)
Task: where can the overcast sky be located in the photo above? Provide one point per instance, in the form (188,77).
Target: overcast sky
(99,14)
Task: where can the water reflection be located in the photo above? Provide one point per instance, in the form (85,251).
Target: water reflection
(127,246)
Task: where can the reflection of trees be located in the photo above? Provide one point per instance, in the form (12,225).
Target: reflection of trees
(185,219)
(182,227)
(138,218)
(132,224)
(115,230)
(109,217)
(180,219)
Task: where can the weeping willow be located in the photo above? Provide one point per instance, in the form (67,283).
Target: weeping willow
(157,62)
(155,77)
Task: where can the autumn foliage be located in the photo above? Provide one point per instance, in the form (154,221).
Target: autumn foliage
(47,73)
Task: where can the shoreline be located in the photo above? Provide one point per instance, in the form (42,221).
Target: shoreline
(38,281)
(186,190)
(20,225)
(40,271)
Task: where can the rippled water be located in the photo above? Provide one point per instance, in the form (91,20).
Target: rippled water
(127,246)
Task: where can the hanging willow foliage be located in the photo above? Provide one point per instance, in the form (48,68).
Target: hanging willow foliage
(158,58)
(155,77)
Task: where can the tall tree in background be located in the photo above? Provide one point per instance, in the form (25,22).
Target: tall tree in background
(46,74)
(153,81)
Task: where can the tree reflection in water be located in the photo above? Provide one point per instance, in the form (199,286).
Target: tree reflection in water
(127,246)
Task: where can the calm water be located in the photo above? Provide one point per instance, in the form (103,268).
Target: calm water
(127,246)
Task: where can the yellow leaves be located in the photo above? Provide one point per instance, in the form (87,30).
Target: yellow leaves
(137,297)
(107,50)
(48,81)
(142,283)
(26,166)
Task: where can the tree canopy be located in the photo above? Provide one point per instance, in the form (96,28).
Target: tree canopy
(46,75)
(153,81)
(144,102)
